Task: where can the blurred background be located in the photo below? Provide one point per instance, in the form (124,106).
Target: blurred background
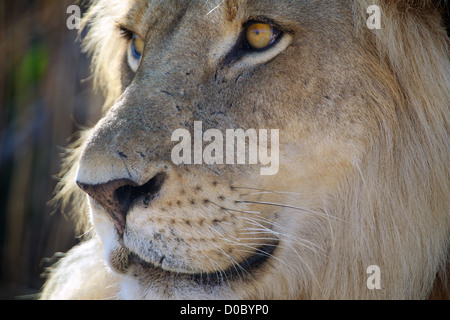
(45,96)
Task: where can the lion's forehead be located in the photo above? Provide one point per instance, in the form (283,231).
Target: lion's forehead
(157,15)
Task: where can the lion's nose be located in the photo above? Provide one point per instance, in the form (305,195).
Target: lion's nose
(117,196)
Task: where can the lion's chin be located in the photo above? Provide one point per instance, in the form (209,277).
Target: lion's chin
(145,280)
(123,261)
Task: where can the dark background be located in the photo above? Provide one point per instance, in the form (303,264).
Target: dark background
(45,96)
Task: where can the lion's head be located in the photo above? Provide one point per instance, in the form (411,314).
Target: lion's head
(362,147)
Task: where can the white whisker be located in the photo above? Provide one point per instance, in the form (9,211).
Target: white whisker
(233,261)
(303,242)
(290,207)
(282,193)
(212,10)
(304,262)
(217,269)
(221,235)
(235,210)
(269,191)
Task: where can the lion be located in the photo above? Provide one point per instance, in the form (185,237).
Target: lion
(359,206)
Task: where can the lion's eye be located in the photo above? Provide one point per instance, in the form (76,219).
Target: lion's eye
(135,50)
(137,46)
(261,35)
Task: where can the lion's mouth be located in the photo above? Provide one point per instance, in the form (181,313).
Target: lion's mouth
(151,253)
(242,270)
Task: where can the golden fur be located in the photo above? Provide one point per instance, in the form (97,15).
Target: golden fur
(364,153)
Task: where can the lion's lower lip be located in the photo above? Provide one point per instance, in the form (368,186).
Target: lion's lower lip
(241,270)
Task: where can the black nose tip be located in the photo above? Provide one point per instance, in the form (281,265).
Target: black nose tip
(117,196)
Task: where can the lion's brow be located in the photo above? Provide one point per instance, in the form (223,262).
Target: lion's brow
(137,9)
(231,8)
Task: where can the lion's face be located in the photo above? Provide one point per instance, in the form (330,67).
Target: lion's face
(223,230)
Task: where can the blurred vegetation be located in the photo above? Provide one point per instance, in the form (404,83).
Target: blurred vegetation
(45,96)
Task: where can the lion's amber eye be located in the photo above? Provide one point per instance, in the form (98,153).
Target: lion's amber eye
(137,46)
(261,35)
